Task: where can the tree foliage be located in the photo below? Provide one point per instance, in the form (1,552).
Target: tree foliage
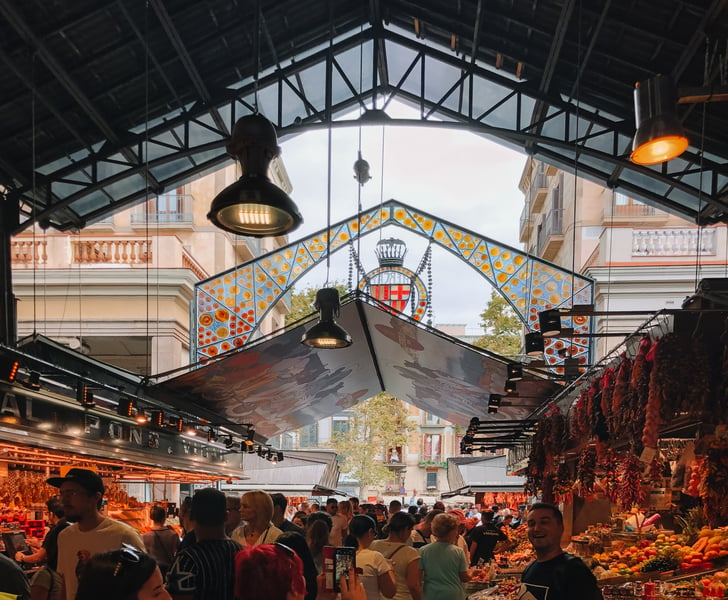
(375,425)
(502,327)
(302,302)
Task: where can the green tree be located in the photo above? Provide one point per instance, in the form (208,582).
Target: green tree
(502,327)
(375,425)
(302,302)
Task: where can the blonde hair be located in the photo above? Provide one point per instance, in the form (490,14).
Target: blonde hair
(261,503)
(444,524)
(346,510)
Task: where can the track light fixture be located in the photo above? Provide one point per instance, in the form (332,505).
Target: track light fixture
(211,435)
(660,135)
(327,333)
(8,369)
(571,367)
(509,387)
(253,205)
(229,442)
(549,322)
(261,451)
(279,456)
(84,396)
(141,417)
(250,437)
(157,419)
(125,408)
(33,381)
(494,402)
(190,430)
(514,372)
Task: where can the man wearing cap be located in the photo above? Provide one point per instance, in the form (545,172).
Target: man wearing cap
(81,493)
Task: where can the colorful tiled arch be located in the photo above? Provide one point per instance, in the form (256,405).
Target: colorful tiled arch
(229,307)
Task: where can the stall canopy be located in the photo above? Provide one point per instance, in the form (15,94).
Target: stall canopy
(469,475)
(279,384)
(302,473)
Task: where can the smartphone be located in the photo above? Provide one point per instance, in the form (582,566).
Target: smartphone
(344,559)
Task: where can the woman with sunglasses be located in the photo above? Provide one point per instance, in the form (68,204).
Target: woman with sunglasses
(125,574)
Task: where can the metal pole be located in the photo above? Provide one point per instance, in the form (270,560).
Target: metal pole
(8,222)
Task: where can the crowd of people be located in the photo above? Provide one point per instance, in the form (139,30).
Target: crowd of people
(245,548)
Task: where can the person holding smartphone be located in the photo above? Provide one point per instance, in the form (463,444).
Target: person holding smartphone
(376,572)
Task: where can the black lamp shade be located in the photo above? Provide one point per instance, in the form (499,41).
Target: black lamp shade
(514,372)
(660,135)
(255,207)
(549,322)
(509,387)
(533,342)
(326,334)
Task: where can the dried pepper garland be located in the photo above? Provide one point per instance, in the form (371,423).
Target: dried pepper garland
(713,486)
(547,446)
(630,491)
(586,473)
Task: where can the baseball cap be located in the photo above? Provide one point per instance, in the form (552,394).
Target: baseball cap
(88,480)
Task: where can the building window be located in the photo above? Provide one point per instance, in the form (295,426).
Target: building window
(172,207)
(432,451)
(431,419)
(431,480)
(394,455)
(308,436)
(340,426)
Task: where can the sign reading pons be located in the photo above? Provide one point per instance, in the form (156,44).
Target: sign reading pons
(392,284)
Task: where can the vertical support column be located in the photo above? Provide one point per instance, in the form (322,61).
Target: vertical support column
(8,222)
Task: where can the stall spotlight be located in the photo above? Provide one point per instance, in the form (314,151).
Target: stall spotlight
(178,424)
(279,456)
(250,438)
(33,381)
(514,372)
(8,369)
(141,417)
(190,430)
(249,449)
(229,442)
(261,451)
(494,402)
(509,387)
(269,453)
(211,435)
(157,419)
(571,367)
(84,396)
(125,408)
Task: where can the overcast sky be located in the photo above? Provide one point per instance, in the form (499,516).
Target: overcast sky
(452,174)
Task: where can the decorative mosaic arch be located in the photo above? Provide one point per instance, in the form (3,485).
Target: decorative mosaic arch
(229,307)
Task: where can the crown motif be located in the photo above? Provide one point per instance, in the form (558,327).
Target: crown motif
(390,252)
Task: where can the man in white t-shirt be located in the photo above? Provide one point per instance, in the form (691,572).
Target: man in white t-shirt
(81,492)
(339,524)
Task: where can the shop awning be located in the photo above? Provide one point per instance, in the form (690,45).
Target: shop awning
(280,385)
(468,476)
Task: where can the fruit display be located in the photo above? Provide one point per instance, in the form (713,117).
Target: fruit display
(668,552)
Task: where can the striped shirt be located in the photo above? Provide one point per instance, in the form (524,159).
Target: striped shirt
(206,570)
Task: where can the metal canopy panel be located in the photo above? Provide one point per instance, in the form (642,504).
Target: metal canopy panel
(280,385)
(113,102)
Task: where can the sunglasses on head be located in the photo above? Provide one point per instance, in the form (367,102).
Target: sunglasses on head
(127,555)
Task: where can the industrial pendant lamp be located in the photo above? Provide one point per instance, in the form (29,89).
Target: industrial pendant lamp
(514,372)
(253,205)
(533,342)
(550,322)
(327,333)
(660,135)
